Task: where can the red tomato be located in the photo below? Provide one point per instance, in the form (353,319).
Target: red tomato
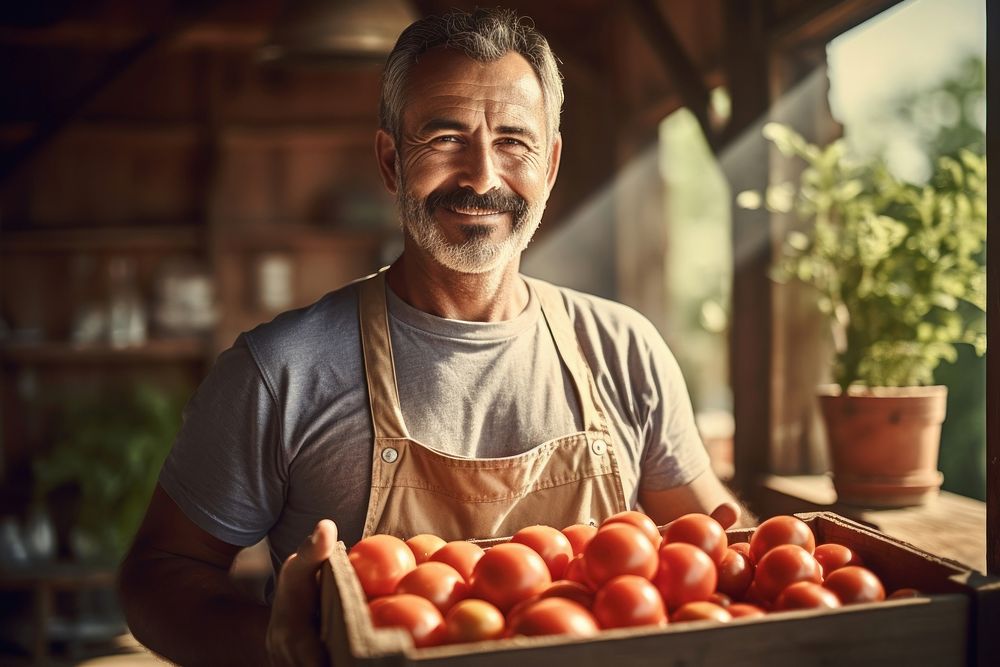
(571,590)
(578,535)
(619,548)
(720,599)
(554,547)
(555,616)
(744,610)
(380,561)
(782,566)
(754,598)
(853,584)
(735,574)
(640,521)
(701,531)
(461,555)
(412,613)
(437,582)
(473,620)
(701,611)
(424,545)
(516,611)
(577,571)
(507,574)
(780,530)
(686,574)
(628,601)
(805,595)
(741,547)
(904,593)
(833,556)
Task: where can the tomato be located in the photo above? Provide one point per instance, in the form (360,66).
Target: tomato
(754,598)
(380,561)
(904,593)
(833,556)
(578,535)
(437,582)
(640,521)
(853,584)
(555,616)
(472,621)
(741,547)
(516,611)
(412,613)
(686,574)
(554,547)
(701,531)
(735,574)
(619,548)
(424,545)
(780,530)
(461,555)
(507,574)
(628,601)
(805,595)
(571,590)
(744,610)
(577,571)
(720,599)
(701,611)
(782,566)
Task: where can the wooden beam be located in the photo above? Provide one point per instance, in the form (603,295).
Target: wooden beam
(993,293)
(679,66)
(63,114)
(746,63)
(822,20)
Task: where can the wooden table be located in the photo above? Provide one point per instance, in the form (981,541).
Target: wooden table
(950,525)
(45,580)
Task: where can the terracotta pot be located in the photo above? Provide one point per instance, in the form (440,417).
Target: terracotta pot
(884,443)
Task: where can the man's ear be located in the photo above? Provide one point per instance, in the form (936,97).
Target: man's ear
(554,158)
(385,154)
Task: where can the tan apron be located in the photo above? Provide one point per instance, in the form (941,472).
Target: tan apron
(416,489)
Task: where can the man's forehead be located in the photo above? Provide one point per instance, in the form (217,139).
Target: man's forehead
(444,80)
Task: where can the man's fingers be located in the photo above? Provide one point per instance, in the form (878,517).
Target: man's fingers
(726,514)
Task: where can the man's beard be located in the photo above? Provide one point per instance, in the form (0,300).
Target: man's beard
(477,252)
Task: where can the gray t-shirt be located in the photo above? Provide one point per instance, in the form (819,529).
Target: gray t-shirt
(279,435)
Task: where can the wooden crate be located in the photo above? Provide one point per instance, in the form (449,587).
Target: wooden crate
(955,623)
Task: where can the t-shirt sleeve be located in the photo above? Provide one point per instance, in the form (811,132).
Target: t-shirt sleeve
(674,453)
(225,470)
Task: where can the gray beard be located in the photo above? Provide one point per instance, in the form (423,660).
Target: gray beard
(477,252)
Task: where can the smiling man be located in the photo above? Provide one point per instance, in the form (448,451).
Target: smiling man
(447,394)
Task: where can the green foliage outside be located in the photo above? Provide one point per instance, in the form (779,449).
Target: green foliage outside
(899,268)
(109,448)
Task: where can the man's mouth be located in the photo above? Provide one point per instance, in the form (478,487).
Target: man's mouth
(474,211)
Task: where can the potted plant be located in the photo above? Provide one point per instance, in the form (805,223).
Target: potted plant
(898,269)
(107,455)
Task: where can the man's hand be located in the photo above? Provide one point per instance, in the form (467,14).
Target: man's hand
(292,636)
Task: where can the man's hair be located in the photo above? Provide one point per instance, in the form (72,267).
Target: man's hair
(485,35)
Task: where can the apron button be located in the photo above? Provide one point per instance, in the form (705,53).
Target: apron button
(389,455)
(599,447)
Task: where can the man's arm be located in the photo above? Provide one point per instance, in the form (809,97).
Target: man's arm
(180,602)
(705,494)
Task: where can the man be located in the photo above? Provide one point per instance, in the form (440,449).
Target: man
(447,394)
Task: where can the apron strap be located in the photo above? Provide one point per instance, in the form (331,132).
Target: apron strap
(380,371)
(557,318)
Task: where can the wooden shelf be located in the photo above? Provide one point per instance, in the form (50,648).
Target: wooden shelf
(154,350)
(181,237)
(297,236)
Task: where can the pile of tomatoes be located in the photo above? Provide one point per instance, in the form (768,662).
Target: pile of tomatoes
(624,573)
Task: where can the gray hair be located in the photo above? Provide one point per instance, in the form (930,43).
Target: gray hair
(485,35)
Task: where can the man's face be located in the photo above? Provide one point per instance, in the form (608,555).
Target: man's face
(473,168)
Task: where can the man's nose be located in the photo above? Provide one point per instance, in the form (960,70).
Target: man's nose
(479,170)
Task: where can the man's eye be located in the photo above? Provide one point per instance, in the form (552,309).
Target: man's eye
(447,138)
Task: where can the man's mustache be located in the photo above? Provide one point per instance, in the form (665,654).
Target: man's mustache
(466,198)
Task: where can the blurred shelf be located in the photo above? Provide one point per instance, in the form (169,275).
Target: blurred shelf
(298,236)
(181,237)
(154,350)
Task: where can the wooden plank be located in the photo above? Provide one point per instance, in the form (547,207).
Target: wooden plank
(993,294)
(819,21)
(746,63)
(180,238)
